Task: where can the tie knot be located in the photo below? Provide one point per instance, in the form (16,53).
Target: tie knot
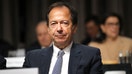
(61,53)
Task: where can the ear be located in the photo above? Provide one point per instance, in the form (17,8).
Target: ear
(48,30)
(102,27)
(74,28)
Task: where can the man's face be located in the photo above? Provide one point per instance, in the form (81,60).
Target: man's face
(61,28)
(111,27)
(92,29)
(43,37)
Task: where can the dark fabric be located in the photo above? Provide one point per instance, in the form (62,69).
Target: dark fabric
(83,60)
(5,47)
(2,62)
(33,46)
(86,41)
(115,67)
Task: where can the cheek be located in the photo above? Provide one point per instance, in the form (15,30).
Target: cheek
(68,31)
(51,31)
(118,28)
(40,38)
(108,31)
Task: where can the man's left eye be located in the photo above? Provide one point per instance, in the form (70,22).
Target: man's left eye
(65,23)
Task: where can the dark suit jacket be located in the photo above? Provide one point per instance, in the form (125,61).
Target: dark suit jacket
(2,62)
(83,60)
(5,47)
(33,46)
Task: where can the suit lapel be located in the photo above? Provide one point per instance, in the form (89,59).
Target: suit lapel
(46,60)
(75,57)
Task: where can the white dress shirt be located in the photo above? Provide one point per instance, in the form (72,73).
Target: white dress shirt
(66,56)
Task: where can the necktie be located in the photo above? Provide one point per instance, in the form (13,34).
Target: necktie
(58,64)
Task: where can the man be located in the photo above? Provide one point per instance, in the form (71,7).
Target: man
(43,38)
(5,47)
(92,29)
(2,62)
(65,56)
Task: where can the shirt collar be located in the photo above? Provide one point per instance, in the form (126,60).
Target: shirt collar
(66,49)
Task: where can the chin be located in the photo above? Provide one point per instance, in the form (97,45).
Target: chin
(114,36)
(60,42)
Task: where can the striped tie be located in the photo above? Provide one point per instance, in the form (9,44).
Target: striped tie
(58,64)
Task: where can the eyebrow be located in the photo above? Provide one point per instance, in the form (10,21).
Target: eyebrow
(52,21)
(59,21)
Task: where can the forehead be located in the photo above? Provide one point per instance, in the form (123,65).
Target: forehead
(41,26)
(91,22)
(112,19)
(59,12)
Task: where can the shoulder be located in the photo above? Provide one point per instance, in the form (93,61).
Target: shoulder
(88,50)
(2,59)
(2,62)
(37,52)
(94,44)
(90,55)
(33,46)
(33,52)
(125,39)
(85,47)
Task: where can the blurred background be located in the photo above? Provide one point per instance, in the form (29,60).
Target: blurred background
(19,17)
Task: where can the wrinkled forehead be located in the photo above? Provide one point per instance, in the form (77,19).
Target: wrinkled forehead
(59,10)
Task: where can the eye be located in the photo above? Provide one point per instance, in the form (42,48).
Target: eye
(52,24)
(117,24)
(65,23)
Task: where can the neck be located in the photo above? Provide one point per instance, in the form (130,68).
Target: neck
(62,46)
(111,38)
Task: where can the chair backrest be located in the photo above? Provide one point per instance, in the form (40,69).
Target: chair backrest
(115,72)
(20,71)
(14,62)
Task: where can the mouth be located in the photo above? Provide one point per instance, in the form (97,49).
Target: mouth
(114,32)
(60,36)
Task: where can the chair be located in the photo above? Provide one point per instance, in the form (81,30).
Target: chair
(115,72)
(20,71)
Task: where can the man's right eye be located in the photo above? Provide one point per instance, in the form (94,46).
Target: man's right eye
(52,24)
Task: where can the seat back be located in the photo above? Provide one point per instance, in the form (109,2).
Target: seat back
(115,72)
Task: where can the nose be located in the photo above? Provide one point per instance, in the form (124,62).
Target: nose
(59,28)
(115,26)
